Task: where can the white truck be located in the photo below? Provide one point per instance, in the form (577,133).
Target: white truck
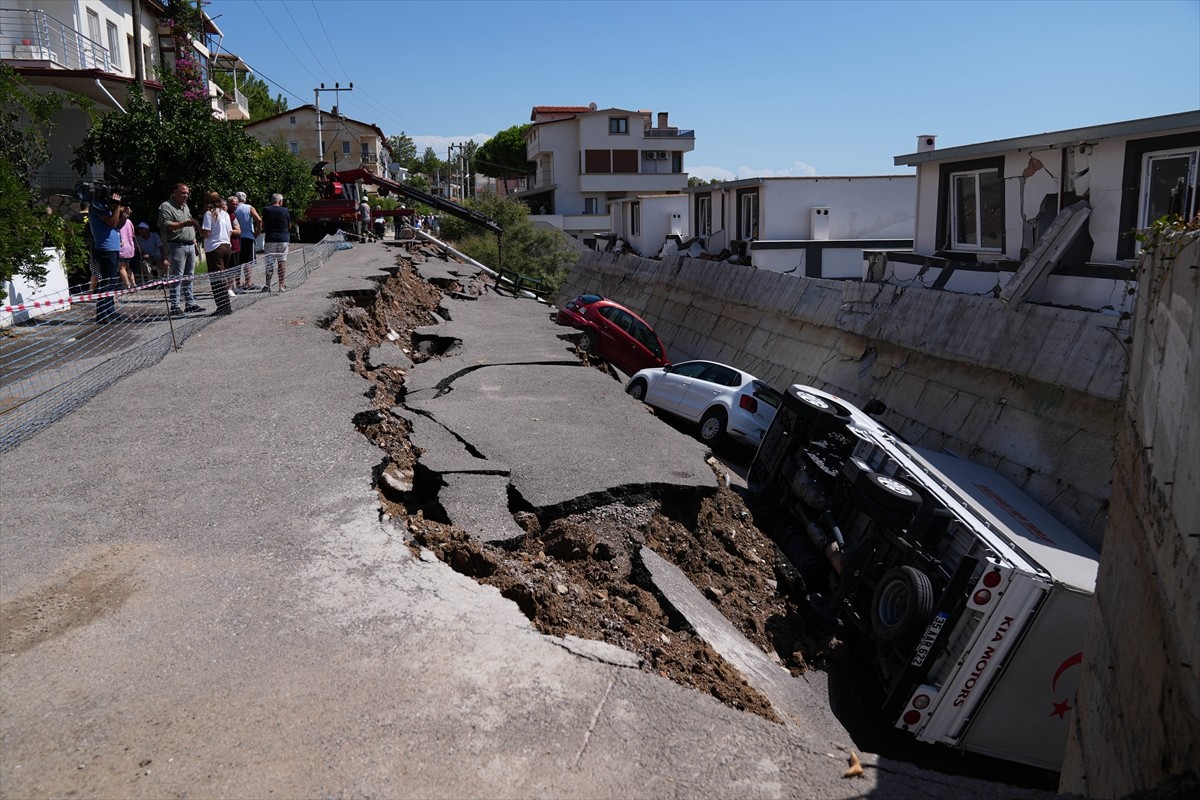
(974,598)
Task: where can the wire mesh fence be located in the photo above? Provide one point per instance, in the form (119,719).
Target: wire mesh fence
(57,354)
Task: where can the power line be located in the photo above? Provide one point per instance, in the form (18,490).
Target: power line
(284,41)
(304,39)
(332,49)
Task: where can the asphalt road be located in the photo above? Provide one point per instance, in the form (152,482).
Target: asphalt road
(200,599)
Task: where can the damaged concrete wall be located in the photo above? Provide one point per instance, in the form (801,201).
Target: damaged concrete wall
(1032,391)
(1138,716)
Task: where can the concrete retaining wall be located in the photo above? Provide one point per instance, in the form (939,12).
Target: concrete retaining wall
(1137,721)
(1032,391)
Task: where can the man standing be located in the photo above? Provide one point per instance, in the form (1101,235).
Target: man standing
(364,219)
(250,222)
(277,225)
(179,232)
(105,224)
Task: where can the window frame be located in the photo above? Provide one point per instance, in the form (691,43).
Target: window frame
(957,225)
(944,232)
(635,219)
(618,126)
(1188,209)
(704,214)
(294,147)
(591,205)
(114,44)
(748,201)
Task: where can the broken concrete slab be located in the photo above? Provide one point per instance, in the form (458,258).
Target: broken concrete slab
(388,354)
(442,451)
(802,704)
(542,421)
(478,504)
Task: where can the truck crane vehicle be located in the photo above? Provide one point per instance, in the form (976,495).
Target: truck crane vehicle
(336,206)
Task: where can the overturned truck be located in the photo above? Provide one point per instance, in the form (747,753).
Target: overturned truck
(973,599)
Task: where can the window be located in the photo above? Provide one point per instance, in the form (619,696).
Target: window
(1168,185)
(646,337)
(691,369)
(93,26)
(635,219)
(345,148)
(597,162)
(292,120)
(722,376)
(748,215)
(975,210)
(676,162)
(625,161)
(618,125)
(591,205)
(114,45)
(366,151)
(294,147)
(703,215)
(130,53)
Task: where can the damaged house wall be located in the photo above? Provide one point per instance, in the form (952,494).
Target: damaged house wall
(1107,167)
(1138,709)
(1030,391)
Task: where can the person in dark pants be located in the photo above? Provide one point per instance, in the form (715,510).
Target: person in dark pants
(105,224)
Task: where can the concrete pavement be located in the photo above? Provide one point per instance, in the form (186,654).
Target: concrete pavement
(200,599)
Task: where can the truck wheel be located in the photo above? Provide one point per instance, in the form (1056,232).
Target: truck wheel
(810,407)
(889,492)
(902,604)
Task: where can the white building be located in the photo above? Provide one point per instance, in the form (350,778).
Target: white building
(645,224)
(99,49)
(588,157)
(814,226)
(985,210)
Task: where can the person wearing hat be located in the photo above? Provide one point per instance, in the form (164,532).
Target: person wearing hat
(151,255)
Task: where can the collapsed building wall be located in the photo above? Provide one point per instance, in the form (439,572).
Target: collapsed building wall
(1031,391)
(1137,722)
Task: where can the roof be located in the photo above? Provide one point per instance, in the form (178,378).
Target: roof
(312,108)
(1135,127)
(558,110)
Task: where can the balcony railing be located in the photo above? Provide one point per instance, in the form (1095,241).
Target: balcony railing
(33,36)
(668,133)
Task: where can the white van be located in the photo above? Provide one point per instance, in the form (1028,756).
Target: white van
(975,598)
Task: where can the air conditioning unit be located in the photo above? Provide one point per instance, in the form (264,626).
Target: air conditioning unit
(662,155)
(651,155)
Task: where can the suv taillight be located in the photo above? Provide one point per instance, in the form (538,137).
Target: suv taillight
(749,403)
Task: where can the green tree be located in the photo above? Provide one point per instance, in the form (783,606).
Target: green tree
(537,252)
(148,149)
(404,150)
(25,227)
(429,163)
(257,93)
(503,155)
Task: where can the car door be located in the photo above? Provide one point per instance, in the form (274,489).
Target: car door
(710,385)
(613,341)
(668,390)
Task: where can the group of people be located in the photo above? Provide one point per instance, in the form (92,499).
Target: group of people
(373,224)
(227,233)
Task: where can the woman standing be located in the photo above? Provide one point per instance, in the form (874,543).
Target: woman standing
(125,254)
(217,228)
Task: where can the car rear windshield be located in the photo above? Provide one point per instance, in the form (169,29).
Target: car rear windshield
(588,299)
(767,394)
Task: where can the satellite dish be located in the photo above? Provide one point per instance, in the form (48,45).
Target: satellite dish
(592,106)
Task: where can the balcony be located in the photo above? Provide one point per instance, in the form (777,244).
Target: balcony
(236,107)
(667,133)
(34,38)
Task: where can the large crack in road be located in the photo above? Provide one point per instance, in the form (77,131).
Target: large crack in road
(613,533)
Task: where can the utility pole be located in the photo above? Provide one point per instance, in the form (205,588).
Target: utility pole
(337,87)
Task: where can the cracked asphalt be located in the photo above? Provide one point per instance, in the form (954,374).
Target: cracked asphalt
(201,597)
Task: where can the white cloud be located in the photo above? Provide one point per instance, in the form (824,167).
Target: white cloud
(799,169)
(440,143)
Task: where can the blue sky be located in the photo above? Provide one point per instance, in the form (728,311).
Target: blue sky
(771,88)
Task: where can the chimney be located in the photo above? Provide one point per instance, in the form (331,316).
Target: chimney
(926,142)
(662,119)
(333,111)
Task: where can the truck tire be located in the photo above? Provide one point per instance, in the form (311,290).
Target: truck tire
(902,604)
(889,492)
(810,407)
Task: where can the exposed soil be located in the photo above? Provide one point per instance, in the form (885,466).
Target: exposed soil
(580,575)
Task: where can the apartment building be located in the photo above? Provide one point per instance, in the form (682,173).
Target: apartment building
(327,135)
(588,157)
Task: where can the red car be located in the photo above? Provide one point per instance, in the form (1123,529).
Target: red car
(614,333)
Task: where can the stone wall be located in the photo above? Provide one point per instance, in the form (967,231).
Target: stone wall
(1137,722)
(1031,391)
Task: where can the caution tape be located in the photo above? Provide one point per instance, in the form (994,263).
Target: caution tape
(91,296)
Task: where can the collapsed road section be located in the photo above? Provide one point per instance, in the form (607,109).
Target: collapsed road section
(513,458)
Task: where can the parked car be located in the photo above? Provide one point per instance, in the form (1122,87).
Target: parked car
(723,400)
(614,333)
